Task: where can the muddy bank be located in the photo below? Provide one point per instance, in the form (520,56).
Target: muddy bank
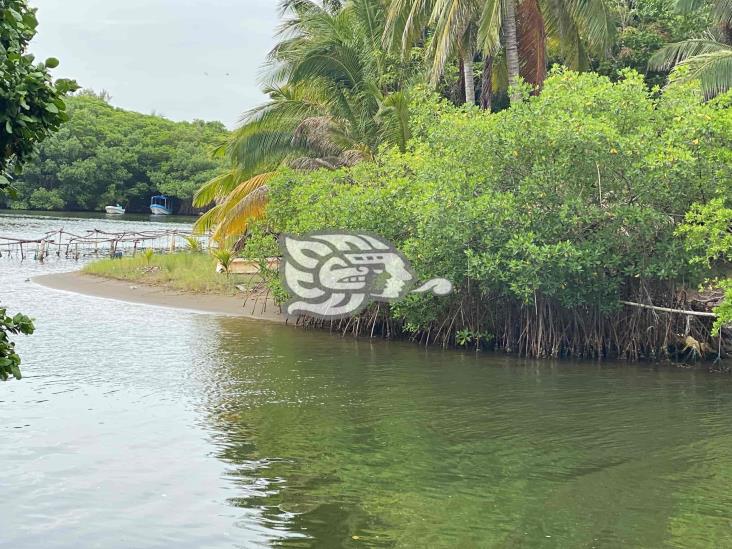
(231,305)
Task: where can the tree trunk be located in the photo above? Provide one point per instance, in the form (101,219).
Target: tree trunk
(486,84)
(468,76)
(726,31)
(512,58)
(458,93)
(532,43)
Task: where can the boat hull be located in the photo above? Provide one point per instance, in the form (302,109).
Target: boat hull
(114,210)
(160,210)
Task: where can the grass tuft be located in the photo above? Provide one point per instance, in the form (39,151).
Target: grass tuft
(189,272)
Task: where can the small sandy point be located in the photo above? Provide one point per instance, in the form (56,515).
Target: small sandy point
(136,292)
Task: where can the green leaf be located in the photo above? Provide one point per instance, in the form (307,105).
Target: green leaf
(51,62)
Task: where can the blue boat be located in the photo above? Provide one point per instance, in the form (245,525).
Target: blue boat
(160,205)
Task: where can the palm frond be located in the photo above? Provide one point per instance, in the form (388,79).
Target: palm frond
(531,32)
(370,15)
(207,220)
(723,12)
(219,186)
(489,27)
(594,21)
(393,118)
(713,70)
(673,54)
(236,220)
(451,20)
(243,190)
(316,133)
(721,9)
(405,22)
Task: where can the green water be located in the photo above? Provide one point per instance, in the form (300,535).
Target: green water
(412,449)
(146,427)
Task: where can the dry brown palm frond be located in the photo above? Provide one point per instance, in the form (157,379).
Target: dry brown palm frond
(316,133)
(237,219)
(244,189)
(346,159)
(307,163)
(532,42)
(351,157)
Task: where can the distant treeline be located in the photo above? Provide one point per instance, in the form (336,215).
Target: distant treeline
(105,155)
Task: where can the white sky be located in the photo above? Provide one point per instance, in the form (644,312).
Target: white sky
(183,59)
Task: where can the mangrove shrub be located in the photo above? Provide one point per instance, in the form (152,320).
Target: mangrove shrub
(544,215)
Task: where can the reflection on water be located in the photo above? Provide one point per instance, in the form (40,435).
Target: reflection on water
(139,426)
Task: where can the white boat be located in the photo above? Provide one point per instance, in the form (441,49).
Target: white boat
(117,210)
(160,205)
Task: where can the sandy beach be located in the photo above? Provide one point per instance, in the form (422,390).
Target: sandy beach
(135,292)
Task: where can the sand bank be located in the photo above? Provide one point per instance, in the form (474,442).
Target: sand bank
(160,296)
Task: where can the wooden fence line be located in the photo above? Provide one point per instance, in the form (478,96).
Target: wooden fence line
(95,242)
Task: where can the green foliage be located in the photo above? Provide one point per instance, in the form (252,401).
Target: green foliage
(259,246)
(194,244)
(335,97)
(707,233)
(43,199)
(224,257)
(104,155)
(571,196)
(148,254)
(466,337)
(705,58)
(9,359)
(182,271)
(724,309)
(31,109)
(31,103)
(643,28)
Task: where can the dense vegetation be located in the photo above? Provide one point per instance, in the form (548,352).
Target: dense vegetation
(542,231)
(557,201)
(31,109)
(340,77)
(335,97)
(104,155)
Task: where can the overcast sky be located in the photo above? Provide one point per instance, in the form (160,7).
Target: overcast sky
(183,59)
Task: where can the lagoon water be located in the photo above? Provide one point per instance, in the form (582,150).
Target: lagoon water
(141,427)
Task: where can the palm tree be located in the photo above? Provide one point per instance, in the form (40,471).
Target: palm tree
(707,59)
(331,105)
(520,28)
